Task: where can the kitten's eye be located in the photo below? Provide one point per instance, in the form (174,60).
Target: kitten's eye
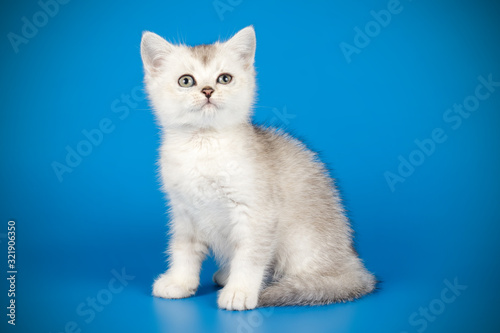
(224,78)
(186,81)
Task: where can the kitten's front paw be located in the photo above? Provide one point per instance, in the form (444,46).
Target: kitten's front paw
(237,299)
(168,287)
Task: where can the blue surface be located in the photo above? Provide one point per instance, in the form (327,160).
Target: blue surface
(362,112)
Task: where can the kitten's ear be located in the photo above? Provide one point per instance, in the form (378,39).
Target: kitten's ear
(154,50)
(243,43)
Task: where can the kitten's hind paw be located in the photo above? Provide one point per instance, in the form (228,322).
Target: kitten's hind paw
(220,277)
(168,287)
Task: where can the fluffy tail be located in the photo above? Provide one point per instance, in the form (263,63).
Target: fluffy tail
(317,290)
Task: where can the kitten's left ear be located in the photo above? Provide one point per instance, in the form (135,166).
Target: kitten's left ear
(244,43)
(154,50)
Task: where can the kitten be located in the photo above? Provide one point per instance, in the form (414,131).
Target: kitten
(257,198)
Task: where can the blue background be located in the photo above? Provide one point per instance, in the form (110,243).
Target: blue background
(441,223)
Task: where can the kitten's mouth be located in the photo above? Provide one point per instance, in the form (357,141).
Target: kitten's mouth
(208,105)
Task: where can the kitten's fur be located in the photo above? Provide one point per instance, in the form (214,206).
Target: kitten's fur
(258,198)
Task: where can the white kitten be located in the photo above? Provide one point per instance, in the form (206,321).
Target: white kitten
(258,198)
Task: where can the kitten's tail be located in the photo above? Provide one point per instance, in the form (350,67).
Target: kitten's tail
(317,290)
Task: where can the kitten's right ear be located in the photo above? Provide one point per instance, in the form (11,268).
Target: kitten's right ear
(154,50)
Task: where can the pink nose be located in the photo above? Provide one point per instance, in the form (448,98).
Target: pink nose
(207,91)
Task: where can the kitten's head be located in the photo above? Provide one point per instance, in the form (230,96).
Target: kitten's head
(206,86)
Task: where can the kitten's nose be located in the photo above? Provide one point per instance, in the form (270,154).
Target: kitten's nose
(207,91)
